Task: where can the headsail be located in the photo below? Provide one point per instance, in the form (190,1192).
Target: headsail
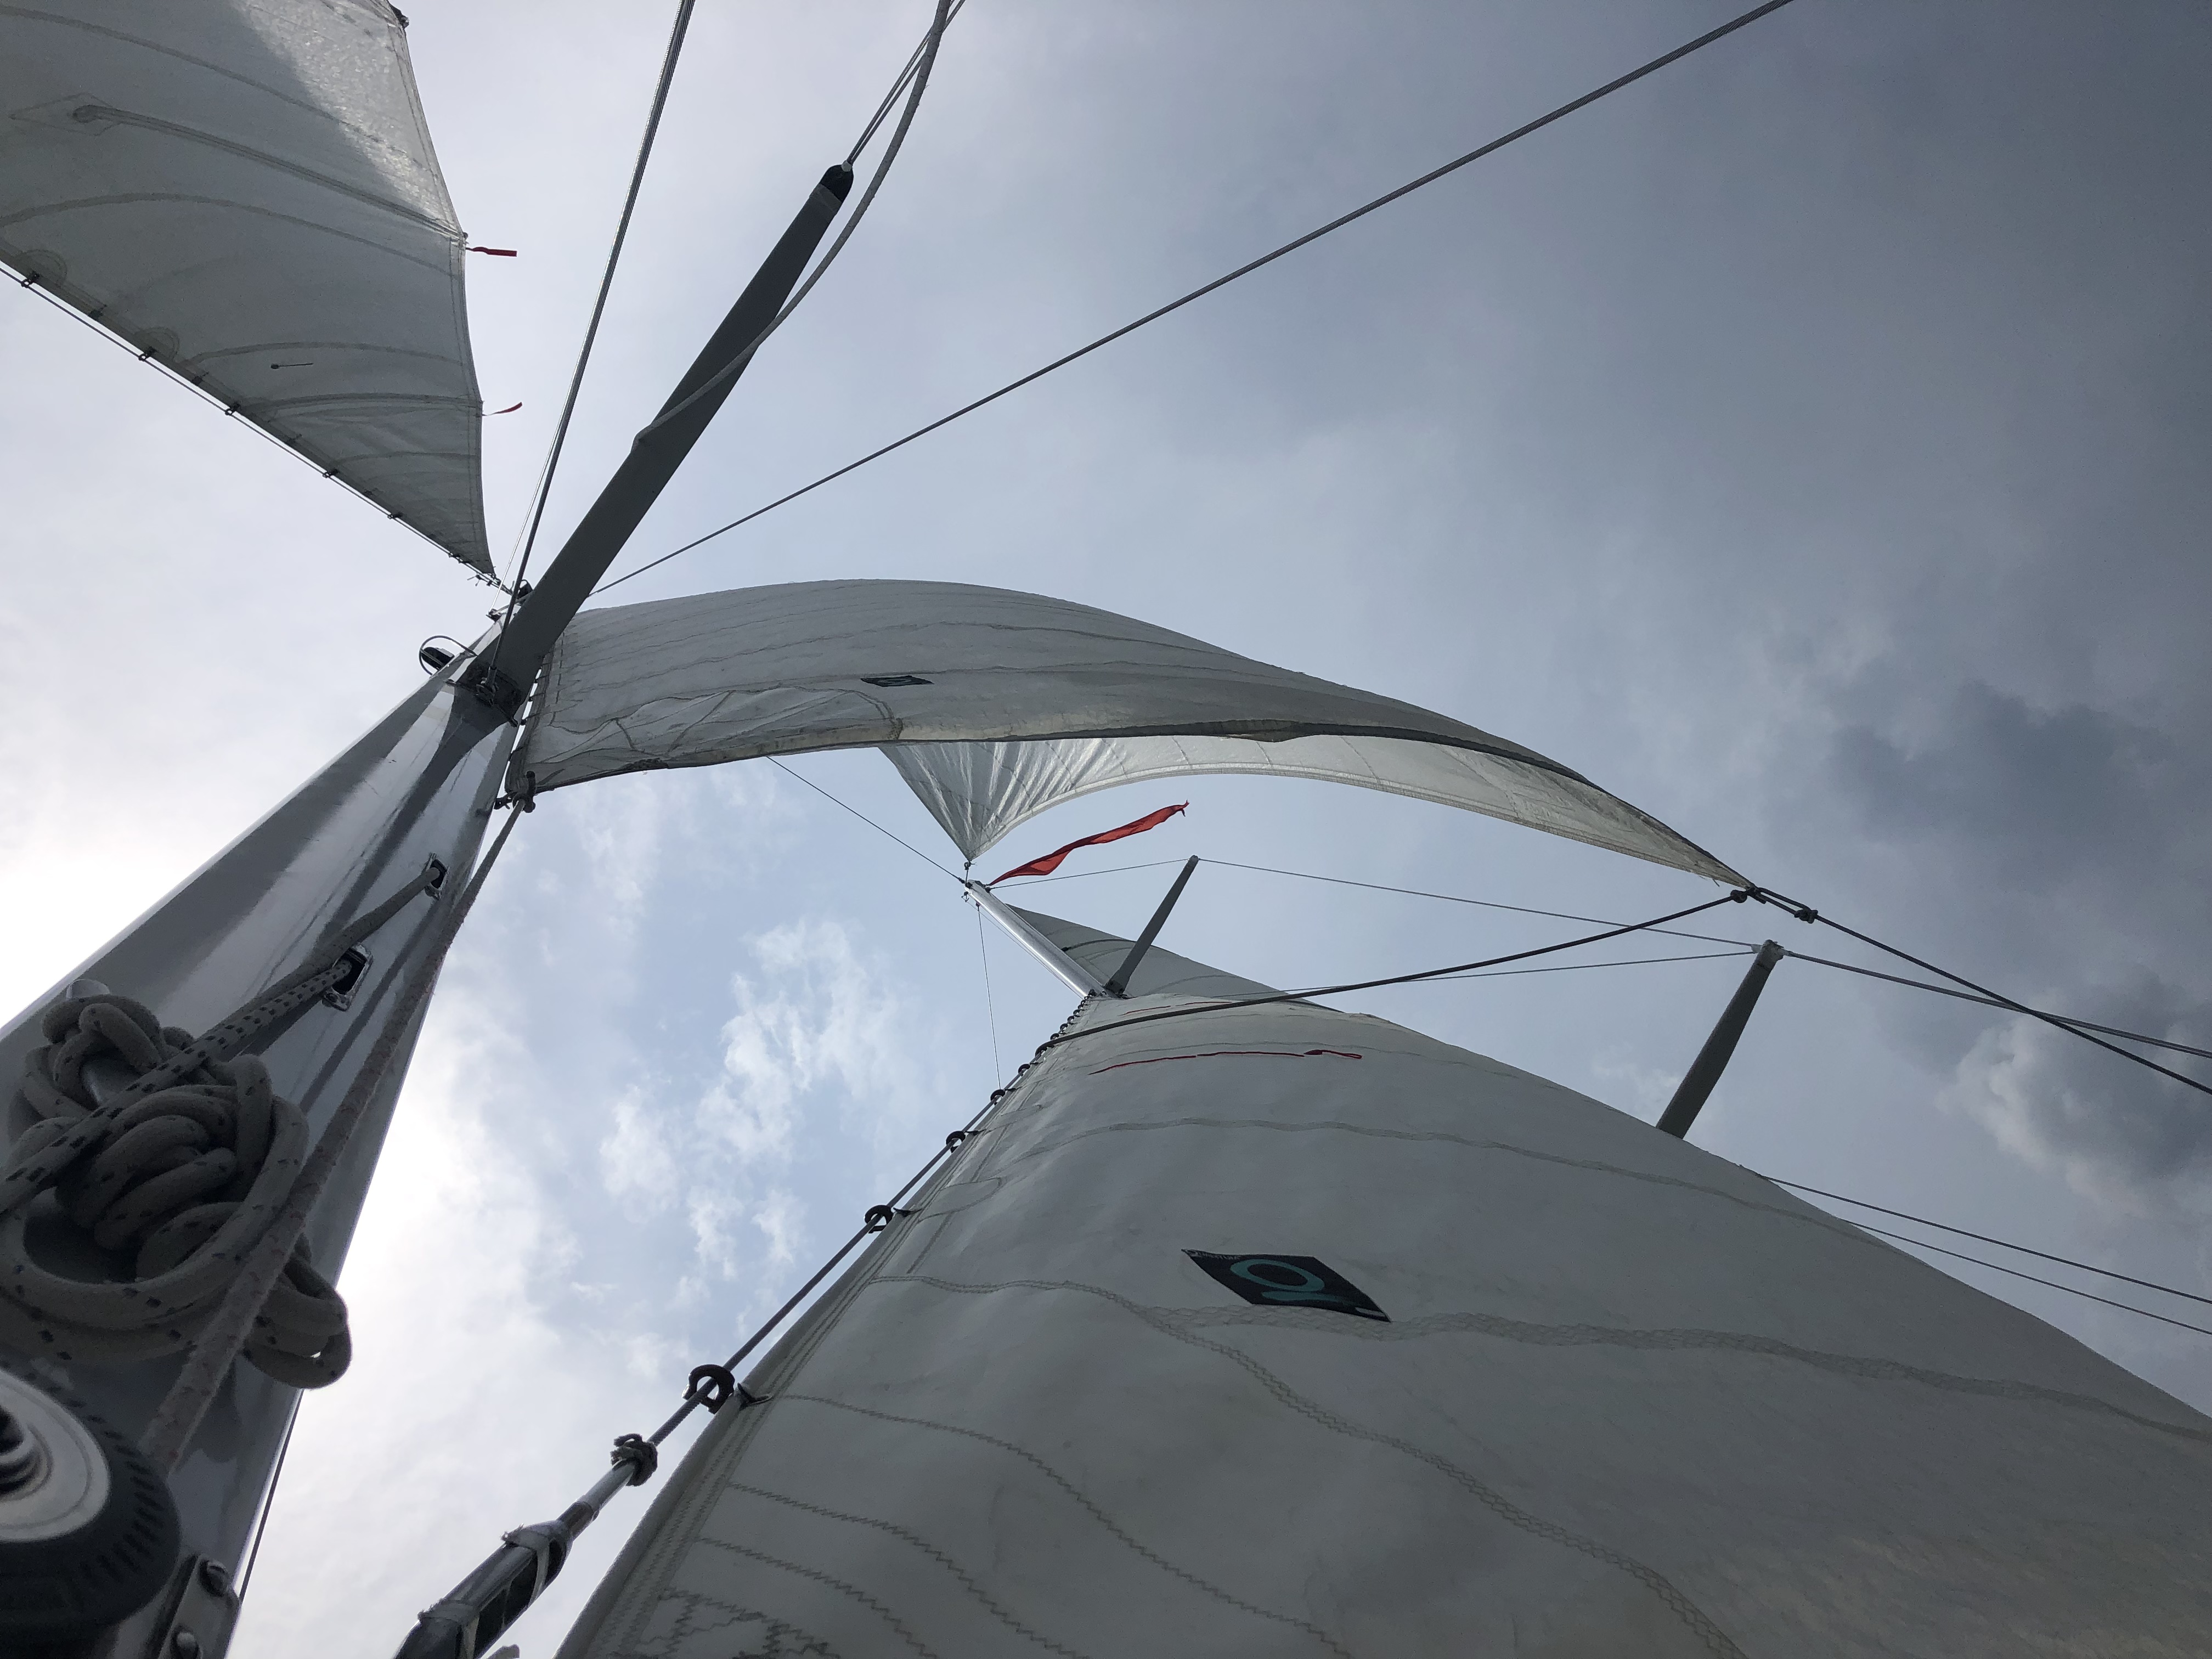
(1287,1331)
(1000,704)
(244,190)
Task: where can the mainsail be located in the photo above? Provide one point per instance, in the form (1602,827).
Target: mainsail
(245,190)
(995,705)
(1278,1330)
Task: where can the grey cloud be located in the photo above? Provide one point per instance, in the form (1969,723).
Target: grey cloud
(2116,1131)
(2066,846)
(2030,795)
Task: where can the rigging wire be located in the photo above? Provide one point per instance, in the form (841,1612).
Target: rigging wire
(1361,212)
(1576,967)
(1079,875)
(1991,1001)
(863,818)
(269,1499)
(1394,979)
(1994,1002)
(1487,905)
(913,62)
(1963,1232)
(990,1011)
(677,30)
(736,365)
(2071,1290)
(916,71)
(1806,914)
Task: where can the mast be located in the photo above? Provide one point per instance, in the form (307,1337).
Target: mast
(405,808)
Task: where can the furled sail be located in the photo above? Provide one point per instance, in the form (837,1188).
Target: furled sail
(1278,1330)
(244,190)
(995,705)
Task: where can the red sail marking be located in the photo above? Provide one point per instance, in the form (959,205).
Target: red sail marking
(1050,861)
(509,410)
(1226,1053)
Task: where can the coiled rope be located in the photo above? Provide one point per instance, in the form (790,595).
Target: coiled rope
(183,1179)
(162,1186)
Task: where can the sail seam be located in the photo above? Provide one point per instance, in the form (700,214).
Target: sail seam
(247,152)
(1684,1340)
(365,134)
(1827,1223)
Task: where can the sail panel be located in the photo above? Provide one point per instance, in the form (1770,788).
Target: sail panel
(965,682)
(1615,1396)
(244,190)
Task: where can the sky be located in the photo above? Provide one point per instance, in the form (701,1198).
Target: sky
(1809,444)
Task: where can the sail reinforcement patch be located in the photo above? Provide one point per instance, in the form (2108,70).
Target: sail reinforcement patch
(1288,1281)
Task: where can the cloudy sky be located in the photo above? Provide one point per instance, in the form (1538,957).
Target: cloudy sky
(1809,444)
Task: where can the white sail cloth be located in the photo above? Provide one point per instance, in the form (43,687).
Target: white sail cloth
(244,190)
(1627,1400)
(996,705)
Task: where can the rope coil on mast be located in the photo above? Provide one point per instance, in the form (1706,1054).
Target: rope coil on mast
(170,1158)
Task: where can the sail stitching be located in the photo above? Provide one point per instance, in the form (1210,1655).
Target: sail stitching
(852,1590)
(976,1591)
(1550,1531)
(1084,1502)
(777,1628)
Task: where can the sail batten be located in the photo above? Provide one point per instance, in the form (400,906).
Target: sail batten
(245,191)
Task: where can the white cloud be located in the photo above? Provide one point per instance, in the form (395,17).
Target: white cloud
(634,1158)
(779,1217)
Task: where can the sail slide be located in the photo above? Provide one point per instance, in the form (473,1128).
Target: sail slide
(1282,1331)
(995,705)
(245,190)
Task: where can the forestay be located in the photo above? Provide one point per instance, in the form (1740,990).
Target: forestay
(996,705)
(244,190)
(1290,1332)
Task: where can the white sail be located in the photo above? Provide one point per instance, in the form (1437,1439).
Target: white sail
(965,679)
(244,190)
(1609,1395)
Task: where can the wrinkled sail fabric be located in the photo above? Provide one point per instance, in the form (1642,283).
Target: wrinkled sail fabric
(964,681)
(1108,1387)
(244,190)
(982,791)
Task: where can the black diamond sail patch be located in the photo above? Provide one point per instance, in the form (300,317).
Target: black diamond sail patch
(1288,1281)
